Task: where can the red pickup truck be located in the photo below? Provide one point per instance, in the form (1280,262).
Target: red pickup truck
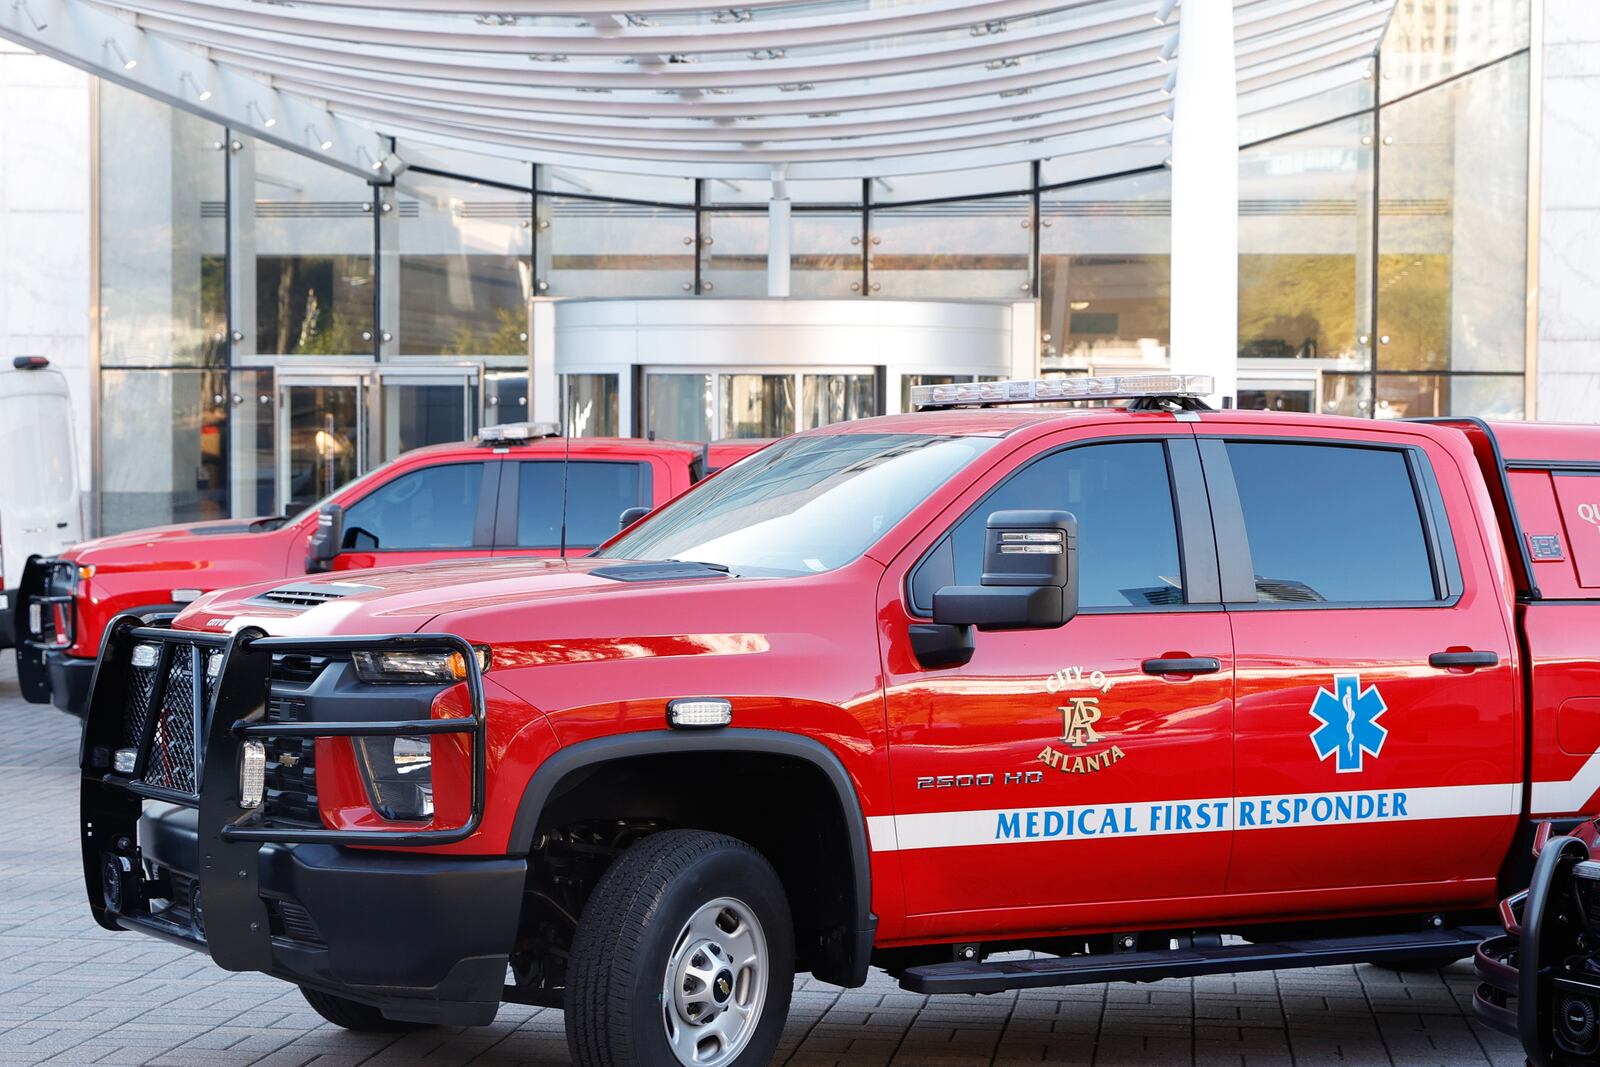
(502,495)
(1147,690)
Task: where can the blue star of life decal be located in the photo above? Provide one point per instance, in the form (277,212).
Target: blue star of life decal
(1349,717)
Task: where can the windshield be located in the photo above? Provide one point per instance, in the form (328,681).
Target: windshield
(802,506)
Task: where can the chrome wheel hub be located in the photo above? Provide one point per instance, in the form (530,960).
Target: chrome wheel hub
(715,985)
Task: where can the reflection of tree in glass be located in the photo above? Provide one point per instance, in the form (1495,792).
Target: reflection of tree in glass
(315,305)
(213,308)
(1297,305)
(1414,310)
(507,339)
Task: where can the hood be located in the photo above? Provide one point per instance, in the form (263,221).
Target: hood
(136,544)
(406,599)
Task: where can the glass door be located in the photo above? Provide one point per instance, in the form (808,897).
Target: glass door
(726,403)
(426,406)
(321,434)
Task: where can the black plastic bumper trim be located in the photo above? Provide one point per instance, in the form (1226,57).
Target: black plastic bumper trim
(70,677)
(419,936)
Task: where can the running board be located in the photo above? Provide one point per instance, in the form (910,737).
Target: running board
(997,976)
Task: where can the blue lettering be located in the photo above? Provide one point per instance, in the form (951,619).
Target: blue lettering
(1247,813)
(1033,824)
(1108,822)
(1300,806)
(1364,806)
(1321,809)
(1052,824)
(1400,805)
(1383,805)
(1007,825)
(1183,813)
(1344,807)
(1283,810)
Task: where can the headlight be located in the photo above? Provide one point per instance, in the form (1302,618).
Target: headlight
(399,774)
(415,666)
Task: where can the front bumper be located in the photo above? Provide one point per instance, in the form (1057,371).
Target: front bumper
(169,850)
(70,677)
(423,938)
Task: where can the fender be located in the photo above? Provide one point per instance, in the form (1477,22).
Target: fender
(576,757)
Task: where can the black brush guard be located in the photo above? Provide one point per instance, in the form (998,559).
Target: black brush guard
(38,627)
(237,931)
(1539,981)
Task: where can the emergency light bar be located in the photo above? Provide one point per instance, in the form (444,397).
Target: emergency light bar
(1185,389)
(517,431)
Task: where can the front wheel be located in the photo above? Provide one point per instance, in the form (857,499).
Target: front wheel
(684,957)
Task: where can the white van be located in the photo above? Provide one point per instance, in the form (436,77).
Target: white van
(40,511)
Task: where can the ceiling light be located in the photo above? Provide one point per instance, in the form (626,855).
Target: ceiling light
(22,6)
(267,121)
(317,139)
(1169,49)
(122,57)
(199,90)
(1164,12)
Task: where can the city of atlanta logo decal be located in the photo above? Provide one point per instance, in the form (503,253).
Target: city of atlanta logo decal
(1349,722)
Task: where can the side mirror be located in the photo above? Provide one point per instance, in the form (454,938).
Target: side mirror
(326,541)
(631,516)
(1030,575)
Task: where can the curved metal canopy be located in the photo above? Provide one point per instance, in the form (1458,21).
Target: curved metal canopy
(809,88)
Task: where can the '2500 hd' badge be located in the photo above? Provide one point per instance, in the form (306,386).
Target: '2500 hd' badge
(1083,748)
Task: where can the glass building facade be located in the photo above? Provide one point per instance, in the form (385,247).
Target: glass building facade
(268,327)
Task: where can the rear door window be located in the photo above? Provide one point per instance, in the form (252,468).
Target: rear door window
(597,493)
(1333,524)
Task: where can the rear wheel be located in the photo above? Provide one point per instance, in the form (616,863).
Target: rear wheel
(354,1015)
(684,957)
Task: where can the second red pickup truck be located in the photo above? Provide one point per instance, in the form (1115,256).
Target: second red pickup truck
(510,493)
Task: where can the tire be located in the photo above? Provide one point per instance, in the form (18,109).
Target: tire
(354,1015)
(656,967)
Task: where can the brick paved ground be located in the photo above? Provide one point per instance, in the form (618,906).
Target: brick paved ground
(73,993)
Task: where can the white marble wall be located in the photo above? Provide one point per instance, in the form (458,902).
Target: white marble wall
(45,296)
(1568,375)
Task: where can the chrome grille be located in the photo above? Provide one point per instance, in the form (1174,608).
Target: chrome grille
(171,764)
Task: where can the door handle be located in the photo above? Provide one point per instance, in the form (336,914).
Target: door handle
(1464,659)
(1183,665)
